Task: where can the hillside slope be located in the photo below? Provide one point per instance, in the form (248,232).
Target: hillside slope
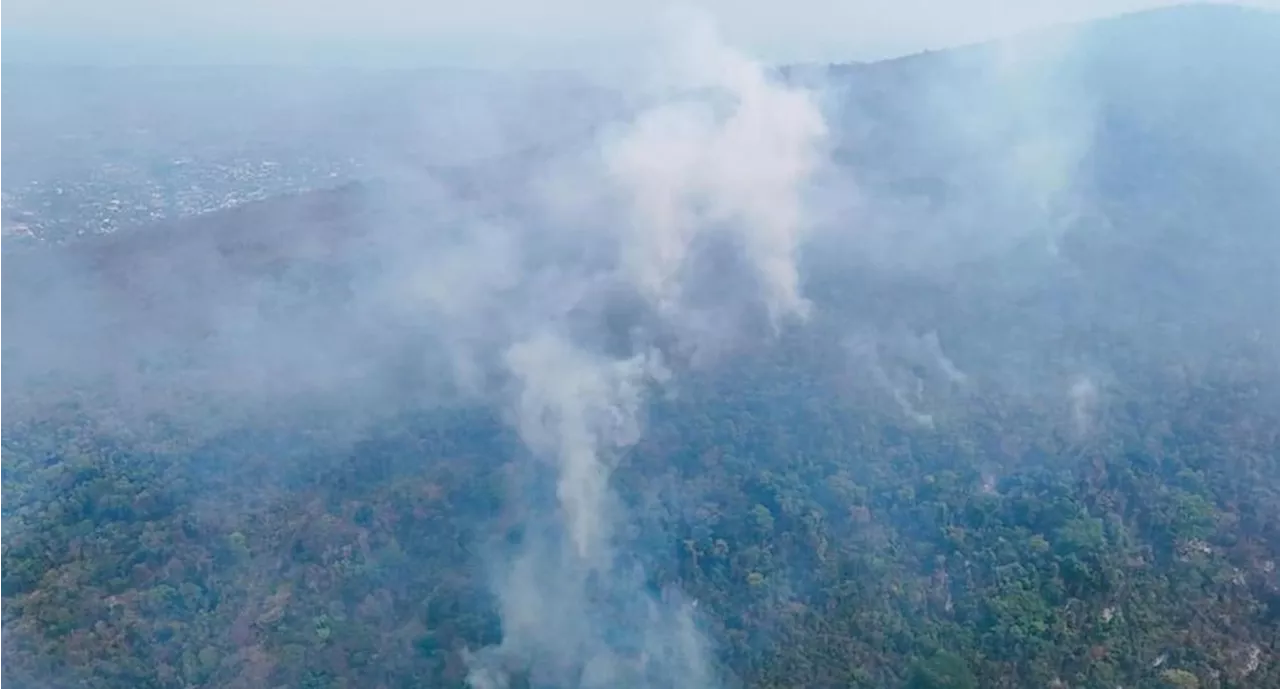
(1029,438)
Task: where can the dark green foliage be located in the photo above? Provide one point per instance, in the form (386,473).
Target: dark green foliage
(844,548)
(942,671)
(831,536)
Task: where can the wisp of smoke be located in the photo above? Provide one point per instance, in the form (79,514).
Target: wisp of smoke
(691,167)
(723,156)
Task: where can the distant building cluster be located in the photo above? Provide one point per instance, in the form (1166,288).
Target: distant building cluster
(118,195)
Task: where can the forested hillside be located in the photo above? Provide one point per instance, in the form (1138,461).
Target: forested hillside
(1029,436)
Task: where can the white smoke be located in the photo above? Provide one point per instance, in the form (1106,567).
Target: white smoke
(575,406)
(944,363)
(726,152)
(907,366)
(734,162)
(1084,397)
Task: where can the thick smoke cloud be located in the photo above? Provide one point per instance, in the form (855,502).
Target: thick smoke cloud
(717,162)
(689,168)
(958,245)
(563,288)
(576,407)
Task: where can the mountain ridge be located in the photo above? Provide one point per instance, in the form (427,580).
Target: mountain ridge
(1028,436)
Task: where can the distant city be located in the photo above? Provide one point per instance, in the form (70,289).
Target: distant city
(118,195)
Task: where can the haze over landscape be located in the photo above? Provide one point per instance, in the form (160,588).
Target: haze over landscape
(581,36)
(748,364)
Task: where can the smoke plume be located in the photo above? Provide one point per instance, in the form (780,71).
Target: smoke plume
(720,159)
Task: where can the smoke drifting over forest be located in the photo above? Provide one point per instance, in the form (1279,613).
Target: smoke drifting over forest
(725,166)
(1019,221)
(683,220)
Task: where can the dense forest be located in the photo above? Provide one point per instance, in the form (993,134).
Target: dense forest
(1051,460)
(830,542)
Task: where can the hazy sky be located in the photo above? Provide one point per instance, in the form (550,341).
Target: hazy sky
(550,32)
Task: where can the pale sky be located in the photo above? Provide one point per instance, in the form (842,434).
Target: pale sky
(553,32)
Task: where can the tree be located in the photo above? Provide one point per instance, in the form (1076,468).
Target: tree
(943,670)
